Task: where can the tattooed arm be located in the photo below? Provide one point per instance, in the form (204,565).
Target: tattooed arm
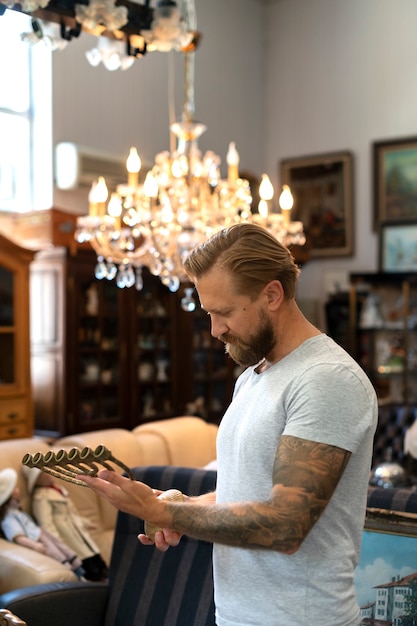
(305,476)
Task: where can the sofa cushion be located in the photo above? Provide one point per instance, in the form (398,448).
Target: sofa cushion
(187,441)
(22,567)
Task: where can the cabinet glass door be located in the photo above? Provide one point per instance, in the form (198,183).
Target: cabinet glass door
(211,373)
(154,372)
(99,355)
(7,327)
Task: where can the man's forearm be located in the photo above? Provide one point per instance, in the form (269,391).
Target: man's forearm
(248,524)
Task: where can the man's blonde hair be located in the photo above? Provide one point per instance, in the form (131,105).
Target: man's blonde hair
(250,254)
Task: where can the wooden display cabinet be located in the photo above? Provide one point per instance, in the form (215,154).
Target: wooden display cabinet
(16,413)
(78,345)
(108,357)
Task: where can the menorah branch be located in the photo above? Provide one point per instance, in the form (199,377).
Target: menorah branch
(70,465)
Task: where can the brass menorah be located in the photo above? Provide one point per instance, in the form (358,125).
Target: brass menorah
(69,465)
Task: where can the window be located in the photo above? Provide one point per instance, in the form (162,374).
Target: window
(25,118)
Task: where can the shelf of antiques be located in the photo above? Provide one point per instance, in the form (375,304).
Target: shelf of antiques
(154,371)
(211,373)
(383,309)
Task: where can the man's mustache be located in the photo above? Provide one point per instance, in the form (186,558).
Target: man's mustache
(226,338)
(232,340)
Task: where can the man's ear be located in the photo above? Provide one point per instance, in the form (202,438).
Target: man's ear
(274,294)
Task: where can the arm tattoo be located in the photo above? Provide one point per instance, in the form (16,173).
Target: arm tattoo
(305,476)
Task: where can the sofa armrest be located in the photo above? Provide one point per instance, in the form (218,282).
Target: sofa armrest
(22,567)
(63,604)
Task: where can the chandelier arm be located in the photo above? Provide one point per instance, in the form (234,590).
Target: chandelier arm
(102,247)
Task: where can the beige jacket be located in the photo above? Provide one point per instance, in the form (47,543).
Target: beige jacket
(54,511)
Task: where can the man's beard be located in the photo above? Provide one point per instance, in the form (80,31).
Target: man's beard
(257,347)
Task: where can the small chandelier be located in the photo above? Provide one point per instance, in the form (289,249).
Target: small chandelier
(182,201)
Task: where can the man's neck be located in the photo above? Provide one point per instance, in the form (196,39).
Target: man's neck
(293,329)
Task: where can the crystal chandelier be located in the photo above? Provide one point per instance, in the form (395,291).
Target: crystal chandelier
(182,201)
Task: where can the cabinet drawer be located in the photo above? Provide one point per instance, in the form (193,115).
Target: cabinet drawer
(14,431)
(12,411)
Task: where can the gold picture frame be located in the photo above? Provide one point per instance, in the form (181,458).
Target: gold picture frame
(386,576)
(395,180)
(322,187)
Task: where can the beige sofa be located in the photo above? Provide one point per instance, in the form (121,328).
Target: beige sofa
(185,441)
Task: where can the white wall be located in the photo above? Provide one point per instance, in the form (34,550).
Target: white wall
(341,74)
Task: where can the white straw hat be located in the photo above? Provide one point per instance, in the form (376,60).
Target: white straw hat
(31,474)
(8,480)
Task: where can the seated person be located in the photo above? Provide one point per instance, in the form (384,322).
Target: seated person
(19,527)
(54,511)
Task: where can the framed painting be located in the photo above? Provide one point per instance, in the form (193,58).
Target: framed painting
(322,187)
(395,181)
(386,577)
(398,247)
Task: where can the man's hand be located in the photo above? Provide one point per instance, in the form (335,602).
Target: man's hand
(137,499)
(128,495)
(164,539)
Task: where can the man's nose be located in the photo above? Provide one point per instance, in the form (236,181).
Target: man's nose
(218,327)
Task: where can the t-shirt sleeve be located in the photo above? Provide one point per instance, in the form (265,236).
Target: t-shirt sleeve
(329,403)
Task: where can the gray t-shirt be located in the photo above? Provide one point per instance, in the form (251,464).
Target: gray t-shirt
(319,393)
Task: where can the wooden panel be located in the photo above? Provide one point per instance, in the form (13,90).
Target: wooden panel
(15,431)
(38,230)
(47,380)
(12,411)
(45,312)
